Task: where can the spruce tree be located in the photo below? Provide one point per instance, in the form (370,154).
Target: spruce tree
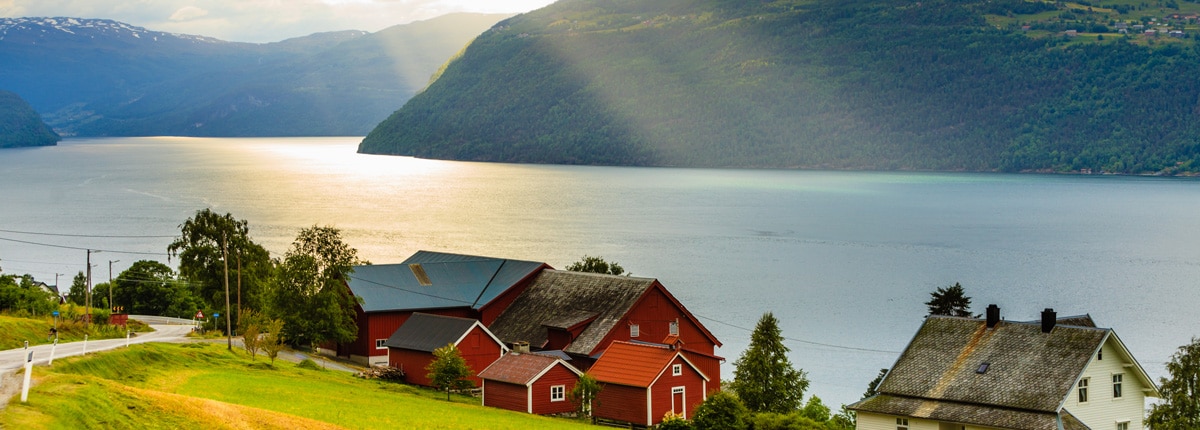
(764,378)
(952,301)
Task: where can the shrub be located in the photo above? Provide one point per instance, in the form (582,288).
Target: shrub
(720,411)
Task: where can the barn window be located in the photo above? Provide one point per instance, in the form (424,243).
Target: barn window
(634,330)
(379,344)
(673,329)
(558,393)
(676,370)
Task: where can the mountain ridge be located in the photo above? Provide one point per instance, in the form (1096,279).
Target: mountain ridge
(20,125)
(96,77)
(857,84)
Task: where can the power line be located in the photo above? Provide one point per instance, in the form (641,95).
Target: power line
(85,235)
(827,345)
(81,249)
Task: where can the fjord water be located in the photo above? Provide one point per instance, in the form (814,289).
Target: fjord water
(845,260)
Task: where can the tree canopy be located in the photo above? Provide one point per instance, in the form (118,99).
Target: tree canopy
(596,265)
(150,288)
(310,293)
(951,301)
(1180,406)
(764,378)
(449,371)
(199,248)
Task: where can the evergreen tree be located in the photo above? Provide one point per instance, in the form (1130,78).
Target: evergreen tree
(1180,408)
(78,292)
(763,376)
(952,301)
(449,371)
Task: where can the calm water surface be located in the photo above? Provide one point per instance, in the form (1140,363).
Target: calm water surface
(844,259)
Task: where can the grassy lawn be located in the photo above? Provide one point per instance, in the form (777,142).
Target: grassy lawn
(203,385)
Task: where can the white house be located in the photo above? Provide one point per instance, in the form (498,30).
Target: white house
(969,374)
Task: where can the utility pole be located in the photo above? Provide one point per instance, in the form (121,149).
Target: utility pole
(110,284)
(239,297)
(228,320)
(88,300)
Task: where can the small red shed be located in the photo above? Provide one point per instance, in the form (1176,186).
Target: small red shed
(533,383)
(411,346)
(642,382)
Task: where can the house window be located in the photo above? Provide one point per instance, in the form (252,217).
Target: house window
(634,330)
(1117,379)
(676,370)
(1124,425)
(901,423)
(673,329)
(1083,394)
(558,393)
(379,344)
(1100,354)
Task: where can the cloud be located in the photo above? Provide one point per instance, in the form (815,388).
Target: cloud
(188,13)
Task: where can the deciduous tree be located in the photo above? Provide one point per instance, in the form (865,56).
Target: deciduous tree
(763,376)
(720,411)
(596,265)
(310,293)
(1180,406)
(78,292)
(272,341)
(584,394)
(449,371)
(199,248)
(952,301)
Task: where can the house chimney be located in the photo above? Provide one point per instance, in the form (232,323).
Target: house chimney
(993,315)
(1049,317)
(521,347)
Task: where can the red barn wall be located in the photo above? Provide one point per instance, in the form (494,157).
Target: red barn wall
(660,391)
(557,375)
(413,363)
(621,403)
(711,366)
(653,314)
(479,350)
(381,325)
(505,396)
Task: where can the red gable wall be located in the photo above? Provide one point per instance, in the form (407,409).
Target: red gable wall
(661,397)
(477,348)
(558,375)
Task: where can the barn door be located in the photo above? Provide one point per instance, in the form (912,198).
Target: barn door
(679,402)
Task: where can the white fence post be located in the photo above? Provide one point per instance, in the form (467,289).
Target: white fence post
(28,373)
(84,345)
(52,346)
(127,331)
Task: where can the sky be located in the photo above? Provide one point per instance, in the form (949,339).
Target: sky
(260,21)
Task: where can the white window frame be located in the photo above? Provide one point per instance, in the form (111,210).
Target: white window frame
(379,344)
(901,423)
(673,328)
(683,392)
(635,330)
(1118,380)
(676,369)
(1123,425)
(1082,390)
(558,393)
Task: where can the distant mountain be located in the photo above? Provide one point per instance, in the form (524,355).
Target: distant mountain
(92,77)
(20,125)
(978,85)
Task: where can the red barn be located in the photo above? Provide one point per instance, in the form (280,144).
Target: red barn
(643,382)
(582,313)
(464,286)
(533,383)
(411,346)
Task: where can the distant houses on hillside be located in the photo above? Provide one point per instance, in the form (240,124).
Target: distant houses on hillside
(529,331)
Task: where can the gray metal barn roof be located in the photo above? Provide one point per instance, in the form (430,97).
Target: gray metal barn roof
(432,280)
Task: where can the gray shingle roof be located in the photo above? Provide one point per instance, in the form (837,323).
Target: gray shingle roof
(456,281)
(427,332)
(964,413)
(559,297)
(1028,369)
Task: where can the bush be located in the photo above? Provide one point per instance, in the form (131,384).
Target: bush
(308,363)
(673,422)
(720,411)
(777,421)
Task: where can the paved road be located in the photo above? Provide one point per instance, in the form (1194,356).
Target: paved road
(15,358)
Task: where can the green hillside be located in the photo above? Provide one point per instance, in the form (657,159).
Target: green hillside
(977,85)
(20,125)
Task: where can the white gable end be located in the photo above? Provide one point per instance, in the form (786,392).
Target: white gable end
(1111,390)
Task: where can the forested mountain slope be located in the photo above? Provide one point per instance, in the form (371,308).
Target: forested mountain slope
(92,77)
(20,125)
(976,85)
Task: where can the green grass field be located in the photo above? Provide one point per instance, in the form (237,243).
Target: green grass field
(202,385)
(14,331)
